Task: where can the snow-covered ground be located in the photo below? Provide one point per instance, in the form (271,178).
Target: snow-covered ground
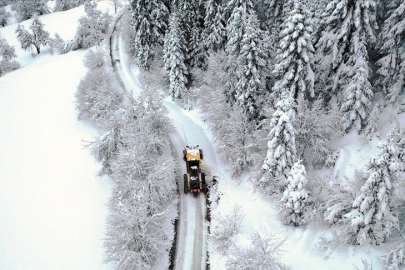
(52,203)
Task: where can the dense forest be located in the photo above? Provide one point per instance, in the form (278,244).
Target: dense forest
(278,81)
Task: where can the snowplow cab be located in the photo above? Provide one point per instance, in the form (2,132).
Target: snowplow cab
(194,180)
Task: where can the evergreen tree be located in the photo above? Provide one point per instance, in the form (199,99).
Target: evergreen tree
(175,57)
(346,29)
(238,12)
(190,17)
(149,22)
(245,6)
(392,64)
(293,67)
(372,124)
(372,215)
(39,37)
(249,89)
(214,35)
(295,195)
(281,153)
(357,93)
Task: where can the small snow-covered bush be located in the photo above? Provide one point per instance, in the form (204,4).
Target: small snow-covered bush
(59,44)
(228,226)
(242,143)
(7,55)
(263,253)
(97,98)
(315,128)
(3,17)
(95,58)
(341,197)
(92,27)
(394,259)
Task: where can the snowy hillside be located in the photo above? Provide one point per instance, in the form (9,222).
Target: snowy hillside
(52,203)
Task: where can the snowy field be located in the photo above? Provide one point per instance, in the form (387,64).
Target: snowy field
(52,203)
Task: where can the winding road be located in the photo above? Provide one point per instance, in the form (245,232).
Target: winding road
(192,226)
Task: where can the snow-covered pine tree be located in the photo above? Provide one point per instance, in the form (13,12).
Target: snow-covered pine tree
(39,37)
(372,215)
(293,62)
(246,7)
(238,12)
(252,62)
(392,64)
(281,153)
(175,57)
(358,94)
(197,54)
(92,27)
(190,17)
(295,195)
(346,29)
(27,9)
(372,123)
(214,33)
(149,22)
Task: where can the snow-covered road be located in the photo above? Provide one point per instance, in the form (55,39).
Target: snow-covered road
(192,228)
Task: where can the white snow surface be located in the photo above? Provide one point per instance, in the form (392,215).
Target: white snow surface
(52,203)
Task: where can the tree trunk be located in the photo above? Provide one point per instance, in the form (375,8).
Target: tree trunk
(38,49)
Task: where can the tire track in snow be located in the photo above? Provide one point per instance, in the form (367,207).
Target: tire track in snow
(190,252)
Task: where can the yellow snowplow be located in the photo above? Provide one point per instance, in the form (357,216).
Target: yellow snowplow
(194,180)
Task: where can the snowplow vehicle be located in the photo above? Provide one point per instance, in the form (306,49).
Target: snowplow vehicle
(194,180)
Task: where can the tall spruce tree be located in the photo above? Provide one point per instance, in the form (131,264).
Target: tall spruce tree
(175,57)
(293,63)
(149,23)
(238,11)
(392,64)
(281,153)
(346,30)
(214,33)
(252,62)
(372,215)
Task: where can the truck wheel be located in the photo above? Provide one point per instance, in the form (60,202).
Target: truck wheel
(204,183)
(201,154)
(184,155)
(185,184)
